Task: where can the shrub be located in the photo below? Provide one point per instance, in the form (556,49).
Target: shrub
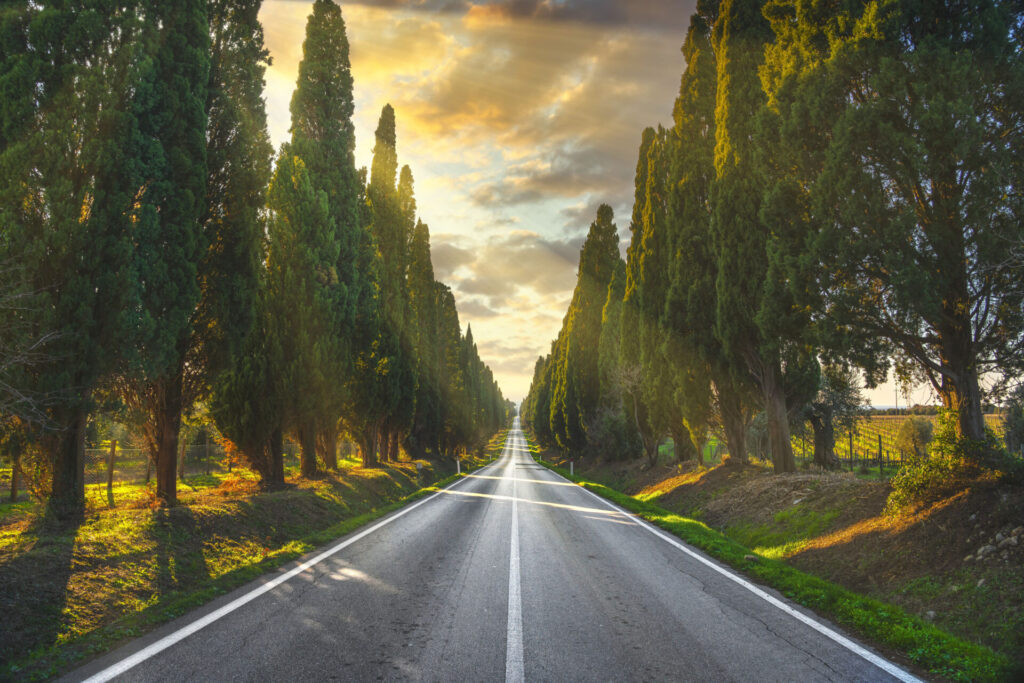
(951,462)
(914,436)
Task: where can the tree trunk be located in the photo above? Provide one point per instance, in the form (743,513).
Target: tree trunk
(778,423)
(167,394)
(368,447)
(393,447)
(328,446)
(824,443)
(682,446)
(731,409)
(307,459)
(964,397)
(67,493)
(276,474)
(15,469)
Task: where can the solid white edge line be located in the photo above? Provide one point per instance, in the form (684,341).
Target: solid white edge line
(883,664)
(514,667)
(170,639)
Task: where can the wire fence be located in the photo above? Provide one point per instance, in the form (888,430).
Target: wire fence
(133,466)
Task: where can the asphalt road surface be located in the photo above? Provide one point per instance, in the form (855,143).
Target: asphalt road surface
(511,573)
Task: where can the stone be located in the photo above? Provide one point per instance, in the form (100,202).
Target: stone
(1008,541)
(750,558)
(968,558)
(999,537)
(981,582)
(986,550)
(1018,531)
(929,615)
(973,517)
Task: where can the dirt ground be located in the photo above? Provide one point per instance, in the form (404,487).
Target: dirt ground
(958,561)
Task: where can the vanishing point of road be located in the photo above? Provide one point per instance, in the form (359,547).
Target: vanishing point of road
(511,573)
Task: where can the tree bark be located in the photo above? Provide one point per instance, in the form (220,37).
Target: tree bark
(307,459)
(329,447)
(731,410)
(276,474)
(682,446)
(778,423)
(824,442)
(167,397)
(964,397)
(393,447)
(15,469)
(368,447)
(67,493)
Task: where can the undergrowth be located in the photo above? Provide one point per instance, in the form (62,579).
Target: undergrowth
(936,651)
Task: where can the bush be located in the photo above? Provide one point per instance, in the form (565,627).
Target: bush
(951,462)
(914,436)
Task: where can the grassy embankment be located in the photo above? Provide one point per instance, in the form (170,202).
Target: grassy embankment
(831,527)
(69,592)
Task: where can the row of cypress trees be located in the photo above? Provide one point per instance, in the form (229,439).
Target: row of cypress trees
(840,193)
(165,259)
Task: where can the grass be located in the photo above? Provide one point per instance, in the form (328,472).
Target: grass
(934,650)
(76,591)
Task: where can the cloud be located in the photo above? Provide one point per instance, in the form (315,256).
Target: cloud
(446,257)
(660,14)
(471,309)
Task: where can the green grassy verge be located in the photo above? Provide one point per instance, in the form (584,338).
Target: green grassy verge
(927,646)
(251,536)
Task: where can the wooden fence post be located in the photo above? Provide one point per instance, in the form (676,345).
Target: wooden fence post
(181,462)
(15,467)
(207,458)
(110,472)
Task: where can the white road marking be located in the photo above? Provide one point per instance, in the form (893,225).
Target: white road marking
(514,669)
(842,640)
(171,639)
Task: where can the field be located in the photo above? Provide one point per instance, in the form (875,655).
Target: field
(872,435)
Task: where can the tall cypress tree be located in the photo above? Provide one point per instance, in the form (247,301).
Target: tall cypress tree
(427,423)
(576,394)
(323,137)
(689,316)
(170,105)
(919,194)
(391,229)
(301,264)
(745,285)
(69,176)
(238,161)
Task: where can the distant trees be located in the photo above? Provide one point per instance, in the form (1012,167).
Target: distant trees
(162,263)
(840,191)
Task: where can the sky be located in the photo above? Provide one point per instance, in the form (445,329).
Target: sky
(518,119)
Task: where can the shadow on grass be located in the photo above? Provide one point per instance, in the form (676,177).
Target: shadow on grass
(180,563)
(34,586)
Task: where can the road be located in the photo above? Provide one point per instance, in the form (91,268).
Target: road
(512,573)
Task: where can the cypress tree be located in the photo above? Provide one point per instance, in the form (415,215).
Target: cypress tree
(67,180)
(392,232)
(577,392)
(608,364)
(170,106)
(323,137)
(741,239)
(302,272)
(919,194)
(238,160)
(689,316)
(425,434)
